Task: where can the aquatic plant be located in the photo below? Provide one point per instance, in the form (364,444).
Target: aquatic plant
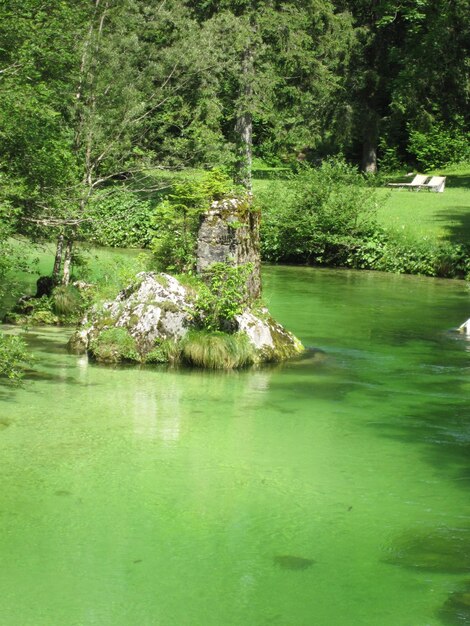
(441,550)
(289,561)
(456,609)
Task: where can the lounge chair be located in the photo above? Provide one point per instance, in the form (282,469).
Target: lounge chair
(417,182)
(437,183)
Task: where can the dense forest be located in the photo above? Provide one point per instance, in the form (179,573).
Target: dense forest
(102,103)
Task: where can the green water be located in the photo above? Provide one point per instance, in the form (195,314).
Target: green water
(333,491)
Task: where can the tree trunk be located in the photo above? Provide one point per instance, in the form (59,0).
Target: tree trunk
(369,143)
(58,259)
(244,123)
(67,262)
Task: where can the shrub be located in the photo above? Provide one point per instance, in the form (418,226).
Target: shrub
(440,145)
(120,219)
(216,350)
(222,295)
(318,215)
(13,358)
(389,252)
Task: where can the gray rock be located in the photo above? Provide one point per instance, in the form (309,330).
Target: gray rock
(153,308)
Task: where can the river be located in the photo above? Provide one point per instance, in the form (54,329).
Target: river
(329,491)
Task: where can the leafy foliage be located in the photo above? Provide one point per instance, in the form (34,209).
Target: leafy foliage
(222,295)
(318,215)
(13,358)
(176,220)
(439,145)
(120,218)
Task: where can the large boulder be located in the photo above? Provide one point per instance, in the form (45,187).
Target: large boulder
(156,311)
(153,308)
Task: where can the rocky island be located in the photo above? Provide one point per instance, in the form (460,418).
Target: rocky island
(216,321)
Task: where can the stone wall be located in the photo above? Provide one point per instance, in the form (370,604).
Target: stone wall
(229,233)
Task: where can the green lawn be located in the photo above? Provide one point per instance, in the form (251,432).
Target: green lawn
(444,216)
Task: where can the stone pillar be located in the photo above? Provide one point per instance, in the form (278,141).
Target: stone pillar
(229,233)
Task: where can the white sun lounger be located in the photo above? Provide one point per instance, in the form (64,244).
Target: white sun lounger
(437,183)
(418,181)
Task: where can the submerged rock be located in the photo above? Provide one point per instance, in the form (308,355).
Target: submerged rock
(148,320)
(289,561)
(465,327)
(445,550)
(456,609)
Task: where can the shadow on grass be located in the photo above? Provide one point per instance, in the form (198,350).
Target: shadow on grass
(458,180)
(456,222)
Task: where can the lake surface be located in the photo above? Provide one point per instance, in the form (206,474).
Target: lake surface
(329,491)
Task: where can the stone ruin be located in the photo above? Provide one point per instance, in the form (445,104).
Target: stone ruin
(229,233)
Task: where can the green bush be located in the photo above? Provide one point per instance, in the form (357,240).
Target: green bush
(216,350)
(120,219)
(222,295)
(389,252)
(440,145)
(318,215)
(13,358)
(326,217)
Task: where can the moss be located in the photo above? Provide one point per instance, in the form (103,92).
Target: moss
(114,345)
(286,345)
(166,305)
(133,319)
(162,280)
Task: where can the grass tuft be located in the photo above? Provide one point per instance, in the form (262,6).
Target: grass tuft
(66,300)
(216,350)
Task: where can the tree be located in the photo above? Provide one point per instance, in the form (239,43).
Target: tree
(80,96)
(395,82)
(279,66)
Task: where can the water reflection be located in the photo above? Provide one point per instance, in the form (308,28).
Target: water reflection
(159,410)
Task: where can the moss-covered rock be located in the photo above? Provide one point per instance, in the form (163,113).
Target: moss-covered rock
(154,320)
(271,341)
(153,308)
